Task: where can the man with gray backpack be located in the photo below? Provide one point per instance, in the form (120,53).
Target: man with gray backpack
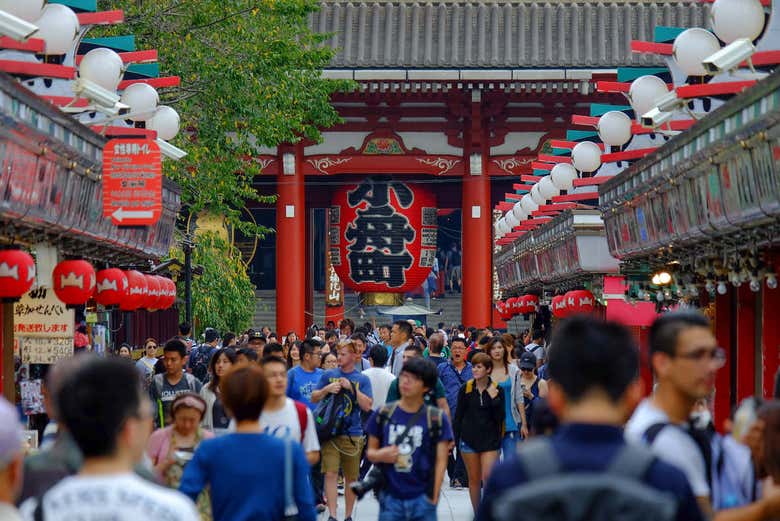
(586,471)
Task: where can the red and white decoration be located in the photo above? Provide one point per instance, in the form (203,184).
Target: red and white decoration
(137,291)
(112,287)
(383,235)
(153,297)
(579,302)
(17,274)
(74,281)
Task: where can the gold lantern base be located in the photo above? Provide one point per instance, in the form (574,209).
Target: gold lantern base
(383,299)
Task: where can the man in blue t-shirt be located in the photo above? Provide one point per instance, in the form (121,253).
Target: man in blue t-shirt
(303,379)
(344,451)
(594,385)
(410,442)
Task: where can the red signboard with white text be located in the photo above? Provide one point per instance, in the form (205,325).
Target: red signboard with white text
(132,182)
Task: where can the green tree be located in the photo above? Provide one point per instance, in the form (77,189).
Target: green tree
(223,297)
(251,76)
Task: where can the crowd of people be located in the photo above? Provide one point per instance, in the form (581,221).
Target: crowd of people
(542,425)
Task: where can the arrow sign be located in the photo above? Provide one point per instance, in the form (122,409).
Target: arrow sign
(132,182)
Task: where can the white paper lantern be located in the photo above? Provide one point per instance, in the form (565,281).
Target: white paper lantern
(615,128)
(528,204)
(503,226)
(59,27)
(142,100)
(165,121)
(547,188)
(103,67)
(691,47)
(586,156)
(734,19)
(511,220)
(28,10)
(519,212)
(562,176)
(644,92)
(537,196)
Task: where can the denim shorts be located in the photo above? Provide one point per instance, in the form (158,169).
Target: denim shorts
(465,449)
(415,509)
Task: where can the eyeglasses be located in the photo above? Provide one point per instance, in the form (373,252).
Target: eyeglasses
(526,369)
(717,356)
(151,346)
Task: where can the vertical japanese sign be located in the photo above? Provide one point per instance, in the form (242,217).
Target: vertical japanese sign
(132,182)
(383,235)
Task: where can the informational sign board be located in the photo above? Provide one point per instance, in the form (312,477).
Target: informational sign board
(32,397)
(39,313)
(46,350)
(132,182)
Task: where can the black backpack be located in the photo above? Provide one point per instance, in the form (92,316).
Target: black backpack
(200,358)
(617,493)
(699,437)
(331,414)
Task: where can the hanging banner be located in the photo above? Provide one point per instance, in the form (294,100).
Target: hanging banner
(132,182)
(383,235)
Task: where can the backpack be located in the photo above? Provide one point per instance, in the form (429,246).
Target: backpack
(699,437)
(157,382)
(432,414)
(199,362)
(303,418)
(330,415)
(614,493)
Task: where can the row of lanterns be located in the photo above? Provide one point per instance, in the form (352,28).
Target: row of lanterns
(514,306)
(574,302)
(75,282)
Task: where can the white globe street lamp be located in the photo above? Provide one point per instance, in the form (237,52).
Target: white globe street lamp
(586,156)
(644,92)
(563,175)
(734,19)
(103,67)
(142,100)
(614,128)
(58,26)
(165,121)
(691,47)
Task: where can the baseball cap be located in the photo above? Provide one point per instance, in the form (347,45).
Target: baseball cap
(257,335)
(527,361)
(10,432)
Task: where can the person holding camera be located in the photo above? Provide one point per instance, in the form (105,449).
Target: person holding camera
(408,442)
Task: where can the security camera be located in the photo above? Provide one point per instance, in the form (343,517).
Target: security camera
(669,102)
(655,118)
(16,28)
(169,150)
(729,57)
(100,96)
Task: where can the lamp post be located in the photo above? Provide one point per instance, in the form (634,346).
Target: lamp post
(187,247)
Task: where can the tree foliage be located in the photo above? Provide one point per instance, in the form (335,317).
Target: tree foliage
(250,76)
(223,297)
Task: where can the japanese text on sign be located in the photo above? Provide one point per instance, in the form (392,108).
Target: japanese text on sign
(45,350)
(132,182)
(39,313)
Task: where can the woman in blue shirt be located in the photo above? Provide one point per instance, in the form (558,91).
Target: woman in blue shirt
(505,375)
(248,460)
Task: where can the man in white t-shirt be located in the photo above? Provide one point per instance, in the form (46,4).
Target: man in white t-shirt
(283,417)
(685,357)
(110,419)
(380,376)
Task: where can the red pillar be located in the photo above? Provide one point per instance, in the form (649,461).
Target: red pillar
(309,282)
(290,243)
(723,328)
(477,259)
(770,337)
(746,342)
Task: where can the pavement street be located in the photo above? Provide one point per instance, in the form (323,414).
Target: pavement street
(454,505)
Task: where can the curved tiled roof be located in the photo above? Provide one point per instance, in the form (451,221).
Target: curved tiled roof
(450,34)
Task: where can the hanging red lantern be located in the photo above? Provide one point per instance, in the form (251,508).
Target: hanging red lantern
(153,297)
(511,306)
(74,281)
(137,291)
(111,287)
(503,312)
(558,305)
(528,304)
(167,293)
(580,301)
(383,235)
(17,274)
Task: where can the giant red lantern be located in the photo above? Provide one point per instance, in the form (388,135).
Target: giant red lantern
(558,305)
(153,297)
(111,287)
(74,281)
(137,291)
(383,235)
(528,304)
(580,301)
(17,274)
